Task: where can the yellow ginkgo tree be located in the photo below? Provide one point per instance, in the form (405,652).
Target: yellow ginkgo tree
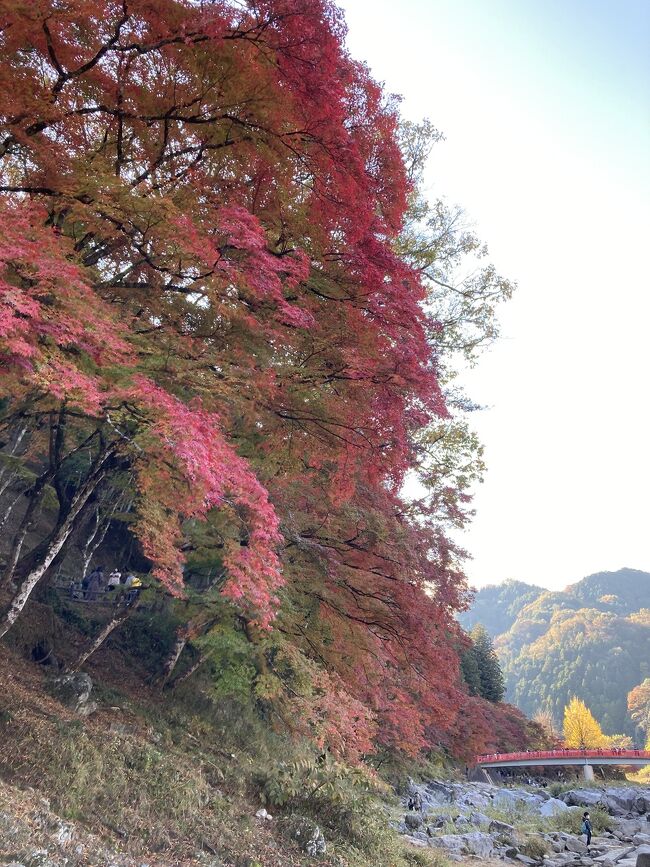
(581,729)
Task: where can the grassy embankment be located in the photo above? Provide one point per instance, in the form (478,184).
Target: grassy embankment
(170,775)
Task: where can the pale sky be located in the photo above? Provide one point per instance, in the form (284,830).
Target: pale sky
(545,105)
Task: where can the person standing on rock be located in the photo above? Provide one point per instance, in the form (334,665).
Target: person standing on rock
(586,828)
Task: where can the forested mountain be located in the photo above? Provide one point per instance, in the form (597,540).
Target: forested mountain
(624,591)
(496,607)
(591,640)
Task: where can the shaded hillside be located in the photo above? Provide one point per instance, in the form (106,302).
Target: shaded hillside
(496,606)
(590,640)
(624,591)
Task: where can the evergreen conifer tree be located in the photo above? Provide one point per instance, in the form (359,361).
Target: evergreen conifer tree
(470,670)
(491,676)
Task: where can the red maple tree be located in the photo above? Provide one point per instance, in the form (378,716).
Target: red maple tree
(201,283)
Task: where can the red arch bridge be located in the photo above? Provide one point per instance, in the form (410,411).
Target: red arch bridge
(583,758)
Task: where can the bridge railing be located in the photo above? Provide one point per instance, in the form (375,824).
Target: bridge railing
(563,754)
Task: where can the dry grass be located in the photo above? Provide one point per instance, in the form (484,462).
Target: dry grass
(141,796)
(142,777)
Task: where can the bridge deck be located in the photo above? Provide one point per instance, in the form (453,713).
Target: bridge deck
(539,758)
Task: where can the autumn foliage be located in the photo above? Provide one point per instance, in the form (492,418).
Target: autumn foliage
(581,729)
(638,702)
(214,285)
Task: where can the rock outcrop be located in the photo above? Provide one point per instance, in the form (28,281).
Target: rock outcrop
(73,690)
(460,819)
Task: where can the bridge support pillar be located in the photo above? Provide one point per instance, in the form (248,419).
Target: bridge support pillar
(588,772)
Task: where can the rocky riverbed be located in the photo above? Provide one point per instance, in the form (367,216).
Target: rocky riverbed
(529,826)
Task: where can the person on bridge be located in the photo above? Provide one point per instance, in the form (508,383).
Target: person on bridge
(586,828)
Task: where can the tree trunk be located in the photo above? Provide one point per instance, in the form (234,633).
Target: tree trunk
(190,671)
(35,493)
(12,451)
(119,618)
(10,509)
(11,478)
(87,554)
(190,630)
(54,545)
(174,655)
(99,530)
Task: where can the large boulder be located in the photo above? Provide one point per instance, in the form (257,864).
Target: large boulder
(475,830)
(438,793)
(432,794)
(627,828)
(478,843)
(614,855)
(552,807)
(479,819)
(620,801)
(449,842)
(516,799)
(498,826)
(462,823)
(413,821)
(503,829)
(642,855)
(73,690)
(573,844)
(473,799)
(582,797)
(642,803)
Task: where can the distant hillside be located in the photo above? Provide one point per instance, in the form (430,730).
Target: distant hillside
(629,587)
(590,640)
(496,607)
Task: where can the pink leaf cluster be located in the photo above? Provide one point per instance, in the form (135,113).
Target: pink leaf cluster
(210,474)
(237,248)
(50,317)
